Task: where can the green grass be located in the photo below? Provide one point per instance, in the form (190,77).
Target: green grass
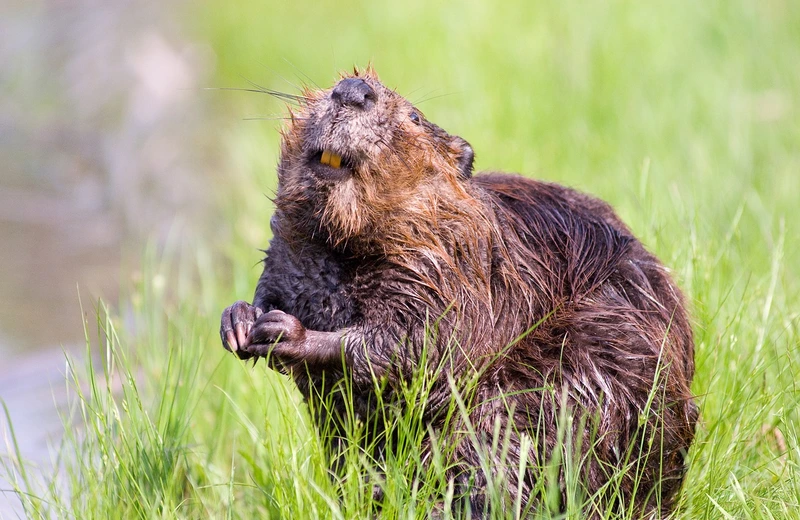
(684,115)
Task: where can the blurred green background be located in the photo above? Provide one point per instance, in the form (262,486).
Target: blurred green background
(688,109)
(116,132)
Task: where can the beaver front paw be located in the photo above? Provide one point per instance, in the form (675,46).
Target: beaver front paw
(277,333)
(237,322)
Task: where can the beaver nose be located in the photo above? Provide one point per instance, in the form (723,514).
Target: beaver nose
(354,92)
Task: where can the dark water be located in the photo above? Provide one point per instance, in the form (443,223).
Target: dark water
(101,111)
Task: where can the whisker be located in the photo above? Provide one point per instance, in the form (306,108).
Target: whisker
(408,95)
(276,93)
(274,118)
(274,71)
(423,96)
(411,142)
(391,150)
(273,114)
(280,95)
(435,97)
(303,74)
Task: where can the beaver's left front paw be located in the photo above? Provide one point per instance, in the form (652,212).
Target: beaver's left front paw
(278,333)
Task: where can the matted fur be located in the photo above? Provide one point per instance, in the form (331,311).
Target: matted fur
(363,260)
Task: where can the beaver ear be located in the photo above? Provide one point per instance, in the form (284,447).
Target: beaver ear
(465,157)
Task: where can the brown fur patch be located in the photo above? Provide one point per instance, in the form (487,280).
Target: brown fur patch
(542,287)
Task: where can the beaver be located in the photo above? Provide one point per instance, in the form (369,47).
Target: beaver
(539,295)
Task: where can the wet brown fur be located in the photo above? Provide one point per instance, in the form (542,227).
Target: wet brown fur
(550,301)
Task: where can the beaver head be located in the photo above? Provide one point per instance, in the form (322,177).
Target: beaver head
(358,160)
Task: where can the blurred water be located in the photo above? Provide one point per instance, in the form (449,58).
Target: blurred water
(101,145)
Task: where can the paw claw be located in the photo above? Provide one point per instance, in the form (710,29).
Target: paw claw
(241,337)
(230,342)
(237,320)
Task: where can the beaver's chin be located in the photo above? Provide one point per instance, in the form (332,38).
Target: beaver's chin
(329,165)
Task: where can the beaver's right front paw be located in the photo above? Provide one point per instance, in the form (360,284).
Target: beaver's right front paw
(237,320)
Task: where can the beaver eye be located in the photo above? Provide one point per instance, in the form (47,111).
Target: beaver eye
(414,117)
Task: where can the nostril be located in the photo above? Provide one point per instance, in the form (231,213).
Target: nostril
(354,92)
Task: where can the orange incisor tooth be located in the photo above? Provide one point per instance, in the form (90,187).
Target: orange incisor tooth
(336,160)
(326,157)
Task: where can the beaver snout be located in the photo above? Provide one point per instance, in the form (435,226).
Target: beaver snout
(354,92)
